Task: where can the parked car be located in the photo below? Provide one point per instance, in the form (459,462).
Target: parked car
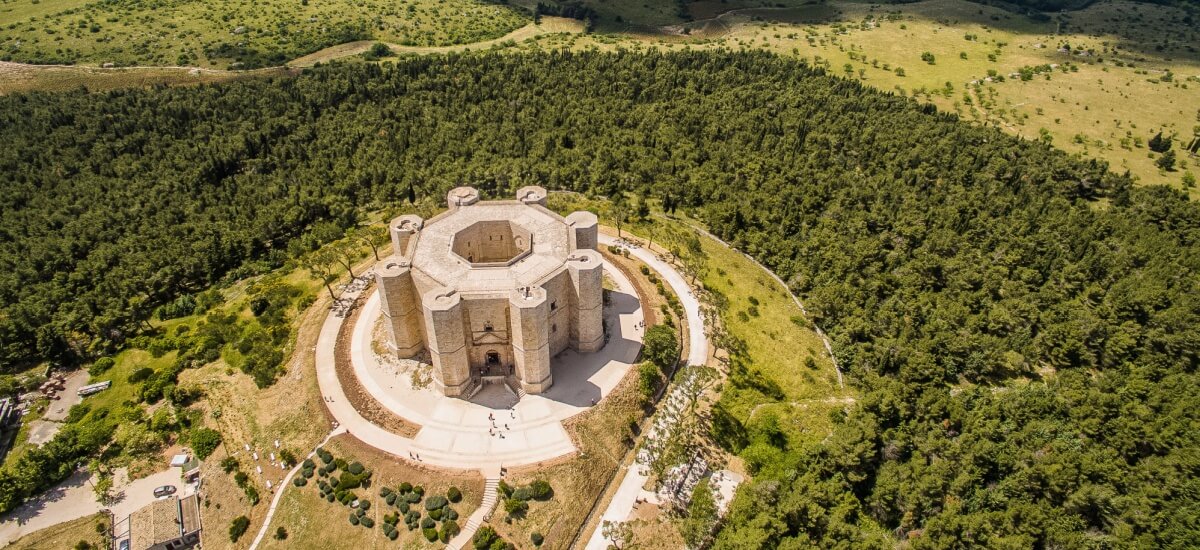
(164,491)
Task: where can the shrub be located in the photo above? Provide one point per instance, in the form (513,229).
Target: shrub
(238,528)
(287,456)
(484,537)
(541,490)
(281,533)
(451,513)
(204,441)
(403,506)
(505,489)
(367,522)
(326,456)
(390,498)
(435,502)
(522,493)
(430,533)
(453,494)
(299,482)
(384,492)
(355,468)
(427,523)
(353,519)
(139,375)
(406,487)
(436,515)
(101,366)
(391,535)
(364,505)
(515,507)
(308,463)
(536,538)
(419,490)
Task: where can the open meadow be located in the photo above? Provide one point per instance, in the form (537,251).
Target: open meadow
(233,33)
(1101,81)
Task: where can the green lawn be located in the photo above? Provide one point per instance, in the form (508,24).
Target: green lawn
(224,32)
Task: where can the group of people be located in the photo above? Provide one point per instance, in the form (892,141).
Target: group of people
(495,429)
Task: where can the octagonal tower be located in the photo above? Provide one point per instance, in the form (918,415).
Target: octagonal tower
(493,289)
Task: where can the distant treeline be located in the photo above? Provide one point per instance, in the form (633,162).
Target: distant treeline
(1024,326)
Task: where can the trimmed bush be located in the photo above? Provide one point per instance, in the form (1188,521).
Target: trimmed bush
(406,487)
(393,534)
(307,473)
(329,497)
(367,522)
(299,482)
(309,464)
(436,514)
(355,468)
(505,489)
(451,527)
(427,523)
(435,502)
(390,498)
(430,534)
(419,490)
(536,538)
(324,455)
(522,494)
(453,494)
(353,519)
(403,506)
(451,514)
(384,491)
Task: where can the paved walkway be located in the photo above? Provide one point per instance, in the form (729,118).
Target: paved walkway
(455,432)
(635,476)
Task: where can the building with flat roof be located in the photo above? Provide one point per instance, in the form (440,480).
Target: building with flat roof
(493,288)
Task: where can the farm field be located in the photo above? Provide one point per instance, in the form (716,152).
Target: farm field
(233,33)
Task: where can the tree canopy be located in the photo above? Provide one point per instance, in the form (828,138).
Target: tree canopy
(1024,326)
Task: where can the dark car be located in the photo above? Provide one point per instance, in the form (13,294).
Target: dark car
(164,491)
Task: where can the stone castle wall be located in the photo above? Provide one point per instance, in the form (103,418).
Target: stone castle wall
(486,318)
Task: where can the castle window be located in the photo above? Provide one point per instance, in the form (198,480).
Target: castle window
(487,326)
(553,306)
(553,328)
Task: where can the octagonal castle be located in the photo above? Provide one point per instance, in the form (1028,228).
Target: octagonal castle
(493,289)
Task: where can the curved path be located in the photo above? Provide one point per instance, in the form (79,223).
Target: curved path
(634,478)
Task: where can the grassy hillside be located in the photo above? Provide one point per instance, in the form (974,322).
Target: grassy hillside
(233,32)
(1100,81)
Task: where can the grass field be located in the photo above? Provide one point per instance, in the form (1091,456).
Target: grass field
(233,32)
(65,535)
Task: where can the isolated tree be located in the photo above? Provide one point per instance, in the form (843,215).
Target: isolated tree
(1166,161)
(660,346)
(321,264)
(1160,143)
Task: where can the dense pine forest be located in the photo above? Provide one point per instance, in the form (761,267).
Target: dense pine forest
(1024,327)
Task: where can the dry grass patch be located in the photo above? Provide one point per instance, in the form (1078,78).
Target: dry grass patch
(65,535)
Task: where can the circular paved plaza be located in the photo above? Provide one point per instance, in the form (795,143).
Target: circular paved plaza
(494,426)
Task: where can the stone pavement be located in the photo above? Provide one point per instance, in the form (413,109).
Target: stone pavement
(635,476)
(458,433)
